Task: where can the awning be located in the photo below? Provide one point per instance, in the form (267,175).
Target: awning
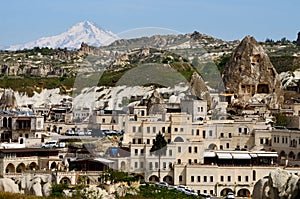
(209,154)
(271,155)
(241,156)
(253,155)
(224,155)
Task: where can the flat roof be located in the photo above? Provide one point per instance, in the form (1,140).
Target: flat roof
(18,150)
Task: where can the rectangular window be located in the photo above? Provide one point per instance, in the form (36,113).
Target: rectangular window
(148,141)
(222,178)
(282,140)
(190,161)
(192,179)
(190,149)
(211,178)
(163,130)
(199,178)
(179,149)
(150,165)
(179,161)
(136,165)
(210,133)
(133,129)
(142,151)
(227,145)
(148,129)
(196,149)
(136,151)
(192,131)
(240,130)
(142,165)
(170,152)
(229,135)
(180,178)
(139,129)
(181,129)
(164,165)
(203,134)
(176,129)
(247,178)
(195,161)
(229,178)
(239,178)
(261,141)
(204,178)
(198,132)
(154,129)
(156,165)
(201,109)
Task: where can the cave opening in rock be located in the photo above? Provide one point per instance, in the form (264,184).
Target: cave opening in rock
(262,88)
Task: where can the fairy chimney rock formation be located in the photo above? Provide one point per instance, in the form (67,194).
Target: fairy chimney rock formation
(251,77)
(8,101)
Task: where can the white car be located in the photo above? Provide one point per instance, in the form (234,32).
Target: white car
(50,144)
(230,195)
(181,188)
(189,191)
(205,195)
(162,184)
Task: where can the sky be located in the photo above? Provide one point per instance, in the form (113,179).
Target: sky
(22,21)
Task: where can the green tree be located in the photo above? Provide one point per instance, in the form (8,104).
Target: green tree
(159,148)
(281,120)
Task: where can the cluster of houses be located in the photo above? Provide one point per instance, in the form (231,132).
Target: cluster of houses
(213,155)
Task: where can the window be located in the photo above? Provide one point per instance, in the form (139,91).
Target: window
(192,131)
(192,179)
(229,178)
(163,129)
(261,141)
(180,178)
(282,140)
(229,135)
(245,130)
(221,147)
(239,178)
(222,178)
(240,130)
(190,149)
(170,152)
(195,161)
(136,151)
(139,141)
(195,149)
(247,178)
(103,120)
(139,129)
(164,165)
(136,165)
(211,192)
(154,129)
(133,141)
(201,109)
(198,132)
(142,151)
(156,165)
(198,109)
(211,178)
(148,141)
(227,145)
(179,161)
(199,178)
(148,129)
(190,161)
(181,129)
(204,178)
(203,134)
(286,140)
(133,129)
(222,135)
(150,165)
(176,129)
(142,165)
(210,133)
(179,149)
(254,175)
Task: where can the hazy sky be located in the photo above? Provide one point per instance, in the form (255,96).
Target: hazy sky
(27,20)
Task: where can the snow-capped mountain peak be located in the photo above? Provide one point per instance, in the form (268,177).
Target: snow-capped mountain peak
(85,31)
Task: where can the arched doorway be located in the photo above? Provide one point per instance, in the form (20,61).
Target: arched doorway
(292,155)
(33,166)
(243,193)
(65,180)
(225,191)
(140,177)
(4,123)
(123,166)
(20,168)
(10,168)
(212,147)
(282,155)
(153,178)
(168,179)
(53,165)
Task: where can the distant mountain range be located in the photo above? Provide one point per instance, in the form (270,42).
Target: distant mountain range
(85,31)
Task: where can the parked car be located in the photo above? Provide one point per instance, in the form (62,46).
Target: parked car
(230,195)
(181,188)
(162,184)
(205,195)
(189,191)
(50,144)
(70,132)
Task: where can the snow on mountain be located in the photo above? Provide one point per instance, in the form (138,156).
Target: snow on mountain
(85,31)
